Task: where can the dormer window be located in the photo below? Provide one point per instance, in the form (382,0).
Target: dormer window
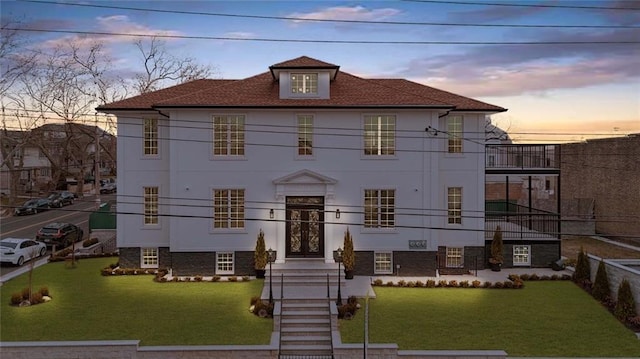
(304,83)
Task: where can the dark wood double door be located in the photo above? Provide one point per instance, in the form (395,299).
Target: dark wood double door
(305,227)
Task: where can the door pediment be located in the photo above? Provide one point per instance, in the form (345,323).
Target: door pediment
(304,183)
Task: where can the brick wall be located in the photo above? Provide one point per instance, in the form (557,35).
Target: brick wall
(543,253)
(412,263)
(607,170)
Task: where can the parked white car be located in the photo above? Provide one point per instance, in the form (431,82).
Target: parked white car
(19,250)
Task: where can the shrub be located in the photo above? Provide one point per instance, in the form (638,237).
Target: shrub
(601,289)
(186,279)
(419,284)
(263,309)
(106,271)
(233,278)
(566,277)
(513,277)
(442,283)
(16,298)
(411,284)
(401,283)
(175,279)
(260,253)
(534,277)
(389,284)
(545,277)
(215,278)
(626,305)
(508,284)
(245,278)
(36,298)
(464,284)
(524,277)
(430,283)
(517,284)
(583,269)
(25,293)
(89,242)
(254,300)
(348,310)
(44,291)
(476,284)
(377,282)
(452,283)
(197,278)
(497,247)
(498,285)
(555,277)
(487,284)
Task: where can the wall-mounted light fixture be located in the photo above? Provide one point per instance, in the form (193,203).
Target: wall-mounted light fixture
(338,213)
(271,213)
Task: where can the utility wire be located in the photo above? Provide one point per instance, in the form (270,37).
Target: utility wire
(310,41)
(525,5)
(339,21)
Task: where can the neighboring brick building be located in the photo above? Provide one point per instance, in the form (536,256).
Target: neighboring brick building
(608,172)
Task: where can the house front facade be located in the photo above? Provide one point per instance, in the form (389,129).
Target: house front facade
(302,152)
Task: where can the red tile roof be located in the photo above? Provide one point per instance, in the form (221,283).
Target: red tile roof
(262,91)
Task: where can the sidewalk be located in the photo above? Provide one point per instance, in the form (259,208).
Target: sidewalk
(23,269)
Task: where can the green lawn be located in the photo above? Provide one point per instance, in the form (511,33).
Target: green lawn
(88,306)
(548,319)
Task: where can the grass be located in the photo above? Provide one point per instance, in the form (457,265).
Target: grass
(88,306)
(571,247)
(546,319)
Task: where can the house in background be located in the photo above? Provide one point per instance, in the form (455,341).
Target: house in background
(25,168)
(304,152)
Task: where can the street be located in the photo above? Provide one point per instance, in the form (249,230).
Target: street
(27,226)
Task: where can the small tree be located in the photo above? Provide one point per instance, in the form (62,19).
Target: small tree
(583,269)
(601,289)
(260,254)
(497,245)
(626,305)
(348,256)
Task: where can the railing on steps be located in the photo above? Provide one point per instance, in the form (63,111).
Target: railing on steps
(329,308)
(281,309)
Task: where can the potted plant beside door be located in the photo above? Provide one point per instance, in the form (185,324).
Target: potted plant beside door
(497,257)
(260,256)
(348,256)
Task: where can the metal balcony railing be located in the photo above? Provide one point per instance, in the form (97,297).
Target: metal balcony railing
(522,156)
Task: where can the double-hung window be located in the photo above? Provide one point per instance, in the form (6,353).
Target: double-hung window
(454,131)
(455,258)
(150,205)
(521,255)
(383,262)
(150,134)
(454,205)
(379,208)
(305,135)
(302,83)
(149,258)
(228,208)
(224,263)
(380,135)
(228,135)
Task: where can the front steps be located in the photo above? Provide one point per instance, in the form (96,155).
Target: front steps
(305,328)
(305,316)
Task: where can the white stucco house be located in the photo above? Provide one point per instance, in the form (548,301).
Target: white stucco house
(302,151)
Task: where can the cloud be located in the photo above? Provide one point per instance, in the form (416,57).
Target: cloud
(358,13)
(493,13)
(505,70)
(239,35)
(120,24)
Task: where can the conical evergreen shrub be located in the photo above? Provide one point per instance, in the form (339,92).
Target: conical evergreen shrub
(601,289)
(626,305)
(583,269)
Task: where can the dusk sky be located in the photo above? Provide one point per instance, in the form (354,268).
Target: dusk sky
(574,89)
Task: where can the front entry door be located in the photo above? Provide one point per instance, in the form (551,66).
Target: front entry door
(305,227)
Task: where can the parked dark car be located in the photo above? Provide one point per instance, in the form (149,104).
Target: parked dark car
(59,199)
(59,234)
(33,206)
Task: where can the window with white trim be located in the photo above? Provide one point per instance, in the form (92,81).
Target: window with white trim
(521,255)
(383,262)
(224,263)
(228,135)
(454,131)
(150,134)
(149,258)
(302,83)
(379,135)
(454,205)
(305,135)
(228,208)
(150,205)
(455,258)
(379,208)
